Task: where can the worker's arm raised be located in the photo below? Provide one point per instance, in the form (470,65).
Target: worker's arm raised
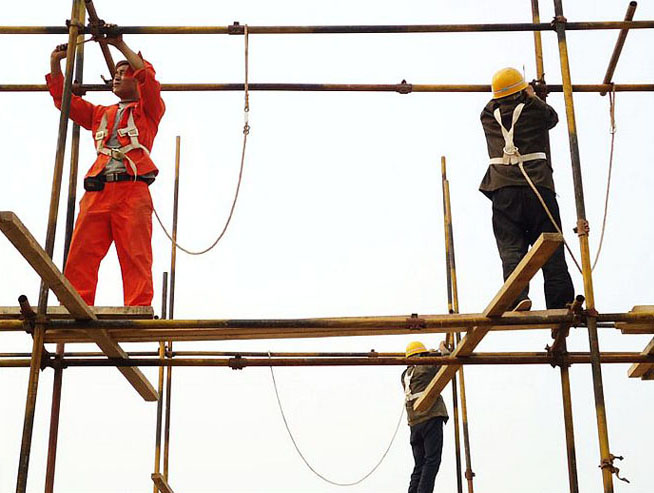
(149,87)
(81,111)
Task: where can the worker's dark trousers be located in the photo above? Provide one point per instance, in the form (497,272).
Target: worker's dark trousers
(427,445)
(518,221)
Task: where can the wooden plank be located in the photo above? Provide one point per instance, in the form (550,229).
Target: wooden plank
(638,370)
(101,312)
(29,248)
(22,239)
(638,327)
(542,250)
(161,484)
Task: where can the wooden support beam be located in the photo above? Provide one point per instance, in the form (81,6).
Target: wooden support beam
(22,239)
(646,327)
(101,312)
(639,370)
(161,484)
(542,250)
(29,248)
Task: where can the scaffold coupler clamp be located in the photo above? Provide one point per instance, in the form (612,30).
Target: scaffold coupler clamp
(469,474)
(559,19)
(404,87)
(237,362)
(414,322)
(373,354)
(582,228)
(608,464)
(236,28)
(70,23)
(557,355)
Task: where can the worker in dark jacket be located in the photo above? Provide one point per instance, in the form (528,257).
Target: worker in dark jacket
(426,427)
(516,123)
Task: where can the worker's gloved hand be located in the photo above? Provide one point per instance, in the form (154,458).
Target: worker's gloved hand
(59,52)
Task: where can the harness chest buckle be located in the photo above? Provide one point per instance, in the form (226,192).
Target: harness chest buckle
(117,154)
(100,134)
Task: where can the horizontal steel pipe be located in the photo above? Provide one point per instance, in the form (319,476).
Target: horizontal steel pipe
(240,362)
(301,87)
(342,29)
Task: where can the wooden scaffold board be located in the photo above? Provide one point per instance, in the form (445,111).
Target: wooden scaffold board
(37,257)
(542,250)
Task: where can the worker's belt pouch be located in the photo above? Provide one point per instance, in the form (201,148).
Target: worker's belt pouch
(93,184)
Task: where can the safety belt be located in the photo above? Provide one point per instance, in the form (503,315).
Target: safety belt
(510,151)
(408,396)
(120,153)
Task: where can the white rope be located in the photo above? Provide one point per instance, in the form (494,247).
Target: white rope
(608,180)
(306,462)
(549,214)
(246,131)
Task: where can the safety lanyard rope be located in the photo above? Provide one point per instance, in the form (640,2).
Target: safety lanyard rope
(612,130)
(306,462)
(246,132)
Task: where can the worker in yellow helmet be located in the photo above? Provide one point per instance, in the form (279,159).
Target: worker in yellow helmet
(426,427)
(516,123)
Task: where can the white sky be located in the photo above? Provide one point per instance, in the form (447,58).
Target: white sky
(340,214)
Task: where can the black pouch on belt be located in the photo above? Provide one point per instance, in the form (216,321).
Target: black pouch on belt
(93,184)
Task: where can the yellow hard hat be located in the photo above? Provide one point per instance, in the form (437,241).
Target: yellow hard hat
(415,347)
(507,81)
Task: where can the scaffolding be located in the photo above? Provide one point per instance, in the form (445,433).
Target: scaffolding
(76,322)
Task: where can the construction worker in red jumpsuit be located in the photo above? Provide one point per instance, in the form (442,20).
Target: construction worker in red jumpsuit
(117,206)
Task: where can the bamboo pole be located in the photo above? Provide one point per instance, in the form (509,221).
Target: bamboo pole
(600,409)
(237,29)
(402,88)
(619,44)
(39,330)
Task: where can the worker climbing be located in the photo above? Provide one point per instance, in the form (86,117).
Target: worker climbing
(426,427)
(117,206)
(520,184)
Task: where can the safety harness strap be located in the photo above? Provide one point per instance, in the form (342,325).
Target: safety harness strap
(408,396)
(510,151)
(120,153)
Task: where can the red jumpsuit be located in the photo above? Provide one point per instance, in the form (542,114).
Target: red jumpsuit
(122,212)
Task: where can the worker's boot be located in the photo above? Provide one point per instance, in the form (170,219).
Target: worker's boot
(523,305)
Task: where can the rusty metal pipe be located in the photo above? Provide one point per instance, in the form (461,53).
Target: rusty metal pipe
(619,44)
(343,29)
(96,23)
(304,87)
(600,409)
(39,331)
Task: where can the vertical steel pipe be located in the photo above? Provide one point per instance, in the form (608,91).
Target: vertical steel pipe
(450,335)
(39,331)
(619,44)
(70,217)
(451,267)
(160,389)
(582,231)
(54,423)
(569,425)
(171,311)
(565,373)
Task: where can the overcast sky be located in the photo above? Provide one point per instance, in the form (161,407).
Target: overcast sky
(339,215)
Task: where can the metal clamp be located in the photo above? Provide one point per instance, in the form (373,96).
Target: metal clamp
(404,87)
(236,28)
(237,362)
(415,323)
(608,464)
(582,228)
